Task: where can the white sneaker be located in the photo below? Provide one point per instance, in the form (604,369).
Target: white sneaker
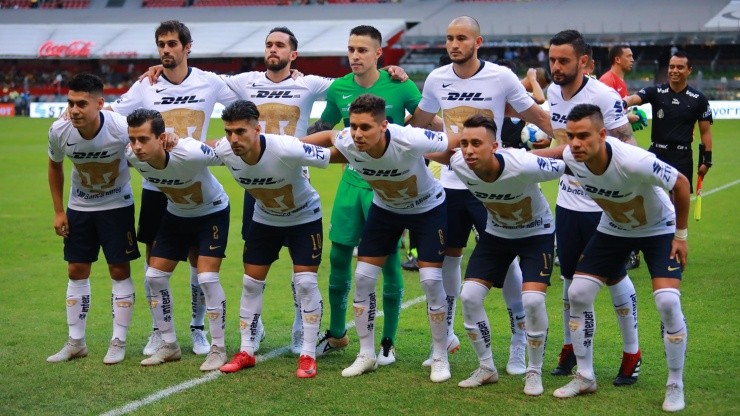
(452,346)
(201,346)
(479,377)
(673,398)
(260,335)
(296,342)
(73,348)
(363,364)
(533,383)
(440,370)
(215,359)
(579,385)
(116,352)
(167,352)
(516,364)
(155,341)
(387,352)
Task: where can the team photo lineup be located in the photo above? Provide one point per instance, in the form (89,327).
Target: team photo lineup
(423,172)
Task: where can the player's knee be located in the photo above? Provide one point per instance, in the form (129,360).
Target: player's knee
(471,296)
(668,302)
(583,289)
(157,279)
(340,257)
(306,282)
(208,277)
(252,286)
(533,302)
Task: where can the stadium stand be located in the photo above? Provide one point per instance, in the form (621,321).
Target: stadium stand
(48,4)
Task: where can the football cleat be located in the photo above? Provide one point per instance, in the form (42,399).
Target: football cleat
(629,370)
(155,341)
(579,385)
(167,352)
(215,359)
(296,342)
(633,260)
(516,365)
(240,360)
(533,383)
(566,363)
(387,353)
(673,398)
(73,348)
(410,264)
(328,344)
(201,346)
(440,370)
(363,364)
(116,352)
(306,367)
(481,376)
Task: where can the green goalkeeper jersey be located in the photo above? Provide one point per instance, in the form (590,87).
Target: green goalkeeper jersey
(399,97)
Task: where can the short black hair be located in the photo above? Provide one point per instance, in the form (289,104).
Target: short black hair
(84,82)
(582,111)
(240,110)
(479,120)
(365,30)
(616,51)
(174,26)
(291,36)
(142,115)
(573,38)
(368,103)
(682,54)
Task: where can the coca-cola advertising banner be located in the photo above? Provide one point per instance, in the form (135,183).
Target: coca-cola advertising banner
(74,49)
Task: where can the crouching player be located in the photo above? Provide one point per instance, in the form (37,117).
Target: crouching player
(520,223)
(625,181)
(287,209)
(197,216)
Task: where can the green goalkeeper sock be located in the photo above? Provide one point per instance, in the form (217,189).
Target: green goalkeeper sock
(340,281)
(392,295)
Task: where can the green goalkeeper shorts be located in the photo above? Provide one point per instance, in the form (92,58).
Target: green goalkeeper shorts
(349,213)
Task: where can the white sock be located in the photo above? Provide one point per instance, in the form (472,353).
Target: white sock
(365,305)
(675,334)
(216,305)
(297,319)
(250,309)
(624,300)
(148,294)
(122,303)
(431,284)
(582,324)
(476,321)
(537,325)
(452,281)
(197,301)
(161,302)
(566,311)
(307,288)
(78,305)
(512,293)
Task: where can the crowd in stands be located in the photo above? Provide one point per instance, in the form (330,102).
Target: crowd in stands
(44,4)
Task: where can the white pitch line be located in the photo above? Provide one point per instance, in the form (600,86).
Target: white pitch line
(721,188)
(169,391)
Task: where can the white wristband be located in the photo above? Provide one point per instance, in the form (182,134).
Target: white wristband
(681,234)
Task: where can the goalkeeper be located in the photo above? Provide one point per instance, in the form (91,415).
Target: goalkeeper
(621,59)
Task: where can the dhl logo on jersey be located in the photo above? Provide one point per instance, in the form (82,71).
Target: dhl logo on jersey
(276,94)
(185,99)
(466,96)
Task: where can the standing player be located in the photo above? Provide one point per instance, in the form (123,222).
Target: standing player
(577,215)
(461,89)
(197,216)
(100,211)
(354,195)
(625,180)
(519,224)
(676,108)
(185,98)
(288,210)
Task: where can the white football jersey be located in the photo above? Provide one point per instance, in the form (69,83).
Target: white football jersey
(630,191)
(486,92)
(100,176)
(285,106)
(283,196)
(400,179)
(191,188)
(570,194)
(515,204)
(186,107)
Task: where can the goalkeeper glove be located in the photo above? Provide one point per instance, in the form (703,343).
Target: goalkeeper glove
(641,122)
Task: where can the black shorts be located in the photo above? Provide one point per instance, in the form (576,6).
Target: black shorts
(111,229)
(573,229)
(682,160)
(493,255)
(604,256)
(153,207)
(463,212)
(209,233)
(247,213)
(263,243)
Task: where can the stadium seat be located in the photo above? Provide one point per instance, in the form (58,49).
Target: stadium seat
(163,3)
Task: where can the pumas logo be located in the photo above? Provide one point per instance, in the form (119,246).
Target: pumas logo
(243,324)
(277,94)
(214,315)
(358,311)
(573,325)
(186,99)
(437,317)
(311,319)
(71,302)
(124,304)
(466,96)
(153,303)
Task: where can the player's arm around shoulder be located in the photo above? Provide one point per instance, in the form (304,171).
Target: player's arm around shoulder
(305,154)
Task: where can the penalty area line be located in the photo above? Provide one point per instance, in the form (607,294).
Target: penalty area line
(177,388)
